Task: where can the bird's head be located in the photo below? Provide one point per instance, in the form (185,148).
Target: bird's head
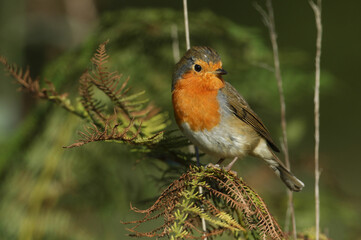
(200,67)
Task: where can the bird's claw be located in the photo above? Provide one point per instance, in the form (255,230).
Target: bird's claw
(228,169)
(211,165)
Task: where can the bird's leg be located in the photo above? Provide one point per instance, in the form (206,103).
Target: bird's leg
(229,166)
(217,165)
(220,161)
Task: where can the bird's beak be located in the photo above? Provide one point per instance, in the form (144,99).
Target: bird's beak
(220,71)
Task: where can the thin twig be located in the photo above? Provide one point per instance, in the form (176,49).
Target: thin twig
(292,214)
(286,227)
(200,188)
(188,42)
(317,11)
(278,76)
(268,19)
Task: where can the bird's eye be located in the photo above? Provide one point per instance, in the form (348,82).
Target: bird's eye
(197,68)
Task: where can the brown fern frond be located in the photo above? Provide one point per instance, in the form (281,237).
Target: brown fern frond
(26,82)
(133,122)
(224,194)
(215,232)
(32,86)
(169,193)
(110,132)
(93,106)
(113,132)
(256,214)
(109,82)
(151,234)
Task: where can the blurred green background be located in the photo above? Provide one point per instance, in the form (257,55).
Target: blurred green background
(47,192)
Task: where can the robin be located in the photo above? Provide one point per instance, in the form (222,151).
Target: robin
(216,118)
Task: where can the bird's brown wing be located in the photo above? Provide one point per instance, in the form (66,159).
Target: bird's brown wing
(243,111)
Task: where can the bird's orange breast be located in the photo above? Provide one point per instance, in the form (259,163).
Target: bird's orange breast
(195,102)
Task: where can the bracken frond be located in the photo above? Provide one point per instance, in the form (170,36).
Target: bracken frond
(110,83)
(27,83)
(113,132)
(32,86)
(93,106)
(227,204)
(132,121)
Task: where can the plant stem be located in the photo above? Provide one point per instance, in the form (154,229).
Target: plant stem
(317,11)
(185,8)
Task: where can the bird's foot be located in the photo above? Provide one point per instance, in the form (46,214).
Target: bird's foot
(227,168)
(211,165)
(231,171)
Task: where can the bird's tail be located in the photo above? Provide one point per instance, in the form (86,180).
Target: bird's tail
(286,176)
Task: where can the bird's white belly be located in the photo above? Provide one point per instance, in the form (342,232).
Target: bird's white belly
(220,141)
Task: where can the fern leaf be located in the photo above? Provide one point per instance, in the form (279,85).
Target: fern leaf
(32,86)
(93,106)
(182,207)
